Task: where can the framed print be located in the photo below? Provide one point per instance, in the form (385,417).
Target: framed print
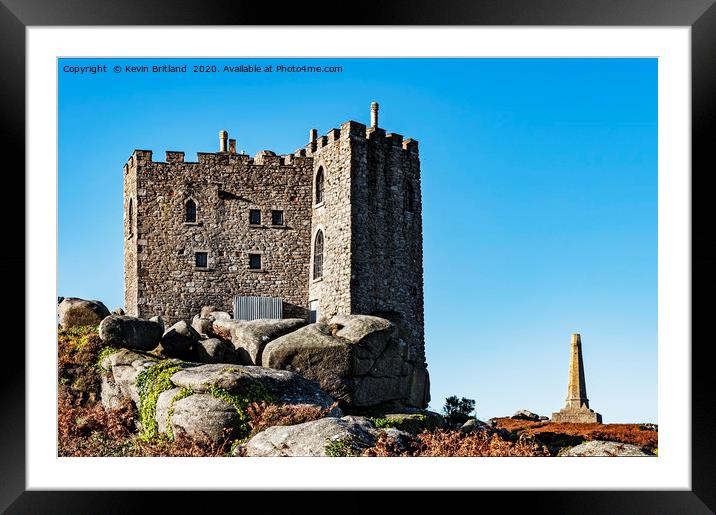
(360,255)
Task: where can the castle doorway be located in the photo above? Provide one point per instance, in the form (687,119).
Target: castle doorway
(313,312)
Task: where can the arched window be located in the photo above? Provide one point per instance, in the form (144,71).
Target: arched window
(318,256)
(319,185)
(408,197)
(190,211)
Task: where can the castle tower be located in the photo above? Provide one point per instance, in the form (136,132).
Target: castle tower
(367,225)
(576,408)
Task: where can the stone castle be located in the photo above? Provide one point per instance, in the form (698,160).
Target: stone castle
(334,228)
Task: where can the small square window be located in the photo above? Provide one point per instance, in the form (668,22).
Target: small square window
(255,261)
(201,259)
(254,216)
(277,217)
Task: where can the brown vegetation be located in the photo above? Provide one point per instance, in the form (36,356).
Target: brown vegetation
(547,432)
(85,428)
(457,443)
(77,352)
(264,415)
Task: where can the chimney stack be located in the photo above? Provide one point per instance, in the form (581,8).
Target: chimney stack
(223,136)
(232,146)
(312,139)
(374,115)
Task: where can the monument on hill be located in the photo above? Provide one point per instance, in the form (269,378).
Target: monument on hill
(576,409)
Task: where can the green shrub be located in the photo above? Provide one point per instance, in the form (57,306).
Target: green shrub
(151,382)
(240,402)
(341,448)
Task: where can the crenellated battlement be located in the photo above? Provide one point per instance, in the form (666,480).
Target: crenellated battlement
(227,155)
(358,131)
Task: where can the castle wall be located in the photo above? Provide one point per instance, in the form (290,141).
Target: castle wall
(130,240)
(225,187)
(334,153)
(387,240)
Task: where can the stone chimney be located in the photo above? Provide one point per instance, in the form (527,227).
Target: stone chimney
(223,136)
(374,115)
(232,146)
(312,139)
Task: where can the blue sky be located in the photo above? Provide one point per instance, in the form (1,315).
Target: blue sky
(539,194)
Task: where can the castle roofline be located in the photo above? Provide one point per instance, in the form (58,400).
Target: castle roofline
(349,129)
(357,130)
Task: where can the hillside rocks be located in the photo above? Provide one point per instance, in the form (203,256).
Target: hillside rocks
(204,313)
(224,328)
(355,358)
(524,414)
(179,339)
(159,320)
(130,332)
(202,326)
(120,382)
(204,416)
(604,448)
(229,364)
(74,312)
(324,437)
(201,401)
(251,337)
(411,420)
(281,386)
(215,350)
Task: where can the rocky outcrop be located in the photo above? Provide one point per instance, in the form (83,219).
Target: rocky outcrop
(130,332)
(159,320)
(120,378)
(202,326)
(603,448)
(205,310)
(215,350)
(178,340)
(203,416)
(251,337)
(75,312)
(280,386)
(346,436)
(411,420)
(224,328)
(201,401)
(356,358)
(524,414)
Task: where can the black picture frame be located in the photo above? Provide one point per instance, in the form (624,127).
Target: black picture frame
(699,15)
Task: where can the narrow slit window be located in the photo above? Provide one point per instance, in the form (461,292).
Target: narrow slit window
(129,216)
(318,256)
(408,197)
(190,213)
(201,259)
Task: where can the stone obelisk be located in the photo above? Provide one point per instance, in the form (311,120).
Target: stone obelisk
(576,408)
